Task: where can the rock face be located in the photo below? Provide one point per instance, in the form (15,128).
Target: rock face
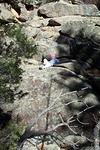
(42,86)
(63,94)
(59,9)
(5,14)
(96,2)
(52,87)
(88,30)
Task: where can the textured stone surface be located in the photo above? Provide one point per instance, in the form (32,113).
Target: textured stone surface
(38,84)
(5,14)
(88,30)
(59,9)
(52,85)
(46,146)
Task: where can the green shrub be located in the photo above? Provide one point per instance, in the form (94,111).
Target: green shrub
(10,55)
(10,74)
(10,135)
(13,46)
(26,47)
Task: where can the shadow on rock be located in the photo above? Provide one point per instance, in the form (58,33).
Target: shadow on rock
(4,118)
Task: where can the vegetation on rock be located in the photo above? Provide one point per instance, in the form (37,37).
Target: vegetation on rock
(13,45)
(10,71)
(9,136)
(26,46)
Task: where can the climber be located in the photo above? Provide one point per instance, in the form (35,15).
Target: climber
(49,61)
(53,59)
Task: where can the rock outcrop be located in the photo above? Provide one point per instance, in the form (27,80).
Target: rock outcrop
(5,15)
(59,104)
(90,31)
(60,9)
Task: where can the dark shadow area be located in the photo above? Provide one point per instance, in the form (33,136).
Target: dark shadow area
(41,15)
(86,54)
(29,7)
(73,85)
(53,23)
(85,73)
(4,118)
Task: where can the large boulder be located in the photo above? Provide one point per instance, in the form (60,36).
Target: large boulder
(13,4)
(49,1)
(96,2)
(46,32)
(5,14)
(59,9)
(82,28)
